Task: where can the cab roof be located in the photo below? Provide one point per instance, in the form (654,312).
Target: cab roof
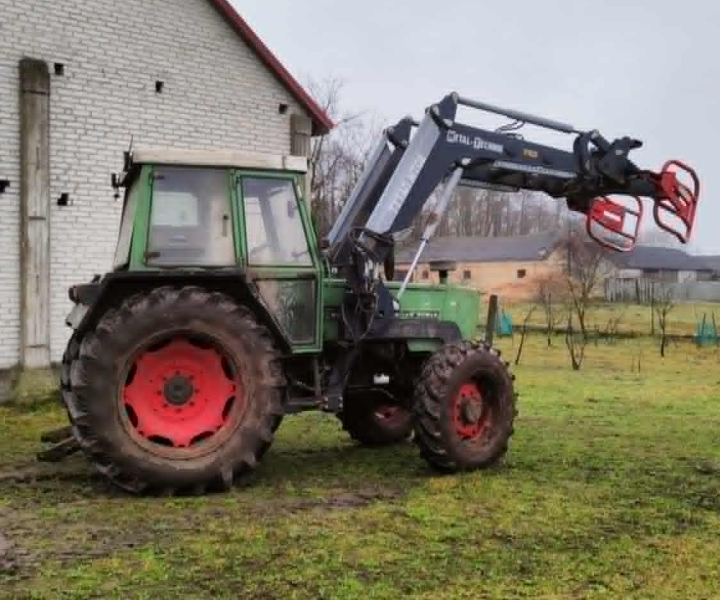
(218,158)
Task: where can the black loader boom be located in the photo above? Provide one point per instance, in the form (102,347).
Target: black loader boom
(406,168)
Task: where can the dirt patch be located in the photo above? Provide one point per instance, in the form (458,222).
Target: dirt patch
(355,499)
(71,543)
(8,563)
(98,534)
(5,547)
(35,473)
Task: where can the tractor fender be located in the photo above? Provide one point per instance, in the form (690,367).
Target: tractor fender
(421,329)
(93,299)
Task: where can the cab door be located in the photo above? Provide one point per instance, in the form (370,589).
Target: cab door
(280,252)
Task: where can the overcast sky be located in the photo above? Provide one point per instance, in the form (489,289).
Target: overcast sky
(649,69)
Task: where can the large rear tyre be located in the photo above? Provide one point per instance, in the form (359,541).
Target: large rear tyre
(465,408)
(179,390)
(372,419)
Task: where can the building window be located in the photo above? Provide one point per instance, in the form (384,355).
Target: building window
(467,275)
(521,273)
(426,275)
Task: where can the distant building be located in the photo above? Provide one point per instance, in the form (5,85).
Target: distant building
(667,265)
(514,267)
(713,263)
(509,266)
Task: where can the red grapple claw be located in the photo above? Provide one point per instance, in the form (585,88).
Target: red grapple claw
(615,225)
(675,210)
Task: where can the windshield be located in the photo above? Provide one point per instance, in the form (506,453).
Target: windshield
(275,232)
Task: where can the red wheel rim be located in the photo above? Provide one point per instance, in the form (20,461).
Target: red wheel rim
(388,413)
(470,414)
(182,395)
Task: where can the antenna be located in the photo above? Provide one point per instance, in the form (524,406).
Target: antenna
(127,156)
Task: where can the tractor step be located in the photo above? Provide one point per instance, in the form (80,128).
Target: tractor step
(56,435)
(59,451)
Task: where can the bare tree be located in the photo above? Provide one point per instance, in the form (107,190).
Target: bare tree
(663,304)
(489,213)
(576,347)
(551,298)
(486,213)
(637,360)
(613,325)
(338,158)
(523,332)
(586,267)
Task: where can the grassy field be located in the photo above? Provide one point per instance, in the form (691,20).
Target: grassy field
(611,489)
(683,319)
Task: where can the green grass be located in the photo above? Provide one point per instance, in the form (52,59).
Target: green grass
(683,319)
(611,489)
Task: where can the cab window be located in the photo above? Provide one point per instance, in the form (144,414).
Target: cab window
(190,220)
(274,228)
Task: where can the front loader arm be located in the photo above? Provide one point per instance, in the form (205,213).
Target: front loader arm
(585,176)
(406,169)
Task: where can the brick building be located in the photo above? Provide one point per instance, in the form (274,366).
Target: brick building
(509,266)
(514,267)
(187,73)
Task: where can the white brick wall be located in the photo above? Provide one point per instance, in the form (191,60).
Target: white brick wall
(217,93)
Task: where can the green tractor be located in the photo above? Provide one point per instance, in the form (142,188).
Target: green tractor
(224,313)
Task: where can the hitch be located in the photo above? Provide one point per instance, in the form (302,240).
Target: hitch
(675,209)
(610,222)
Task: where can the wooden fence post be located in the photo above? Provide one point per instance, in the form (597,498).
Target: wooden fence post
(491,319)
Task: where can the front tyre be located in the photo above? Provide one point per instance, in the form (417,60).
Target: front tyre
(373,420)
(179,390)
(465,408)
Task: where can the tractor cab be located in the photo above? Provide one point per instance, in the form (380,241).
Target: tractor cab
(226,213)
(212,210)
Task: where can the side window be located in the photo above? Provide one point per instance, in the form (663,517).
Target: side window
(274,229)
(122,250)
(190,220)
